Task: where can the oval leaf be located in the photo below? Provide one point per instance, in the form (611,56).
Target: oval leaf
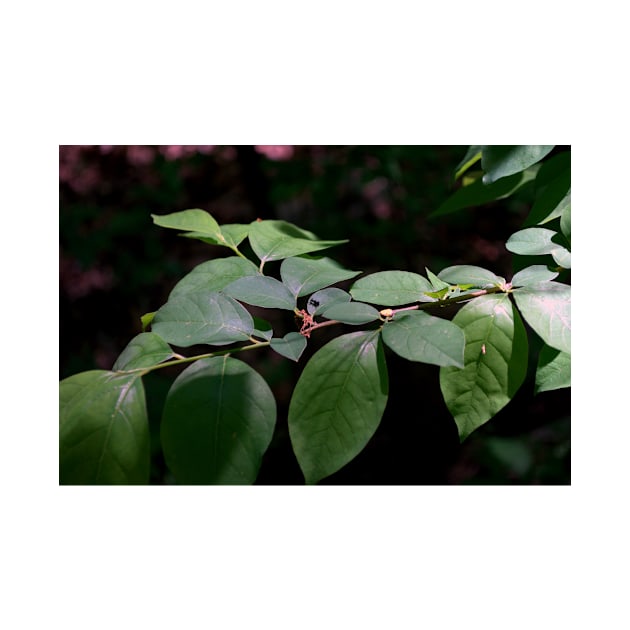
(532,242)
(418,336)
(218,421)
(495,362)
(324,298)
(338,403)
(202,317)
(291,346)
(351,312)
(390,288)
(533,275)
(144,350)
(546,307)
(261,291)
(275,240)
(502,160)
(103,429)
(553,371)
(214,275)
(470,274)
(305,275)
(230,235)
(190,220)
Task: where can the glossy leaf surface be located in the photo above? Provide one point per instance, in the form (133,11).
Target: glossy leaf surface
(291,346)
(218,421)
(500,161)
(190,220)
(470,274)
(306,275)
(144,350)
(533,275)
(337,403)
(495,362)
(275,240)
(553,370)
(103,429)
(261,291)
(546,307)
(229,235)
(532,241)
(390,288)
(214,275)
(202,317)
(324,298)
(418,336)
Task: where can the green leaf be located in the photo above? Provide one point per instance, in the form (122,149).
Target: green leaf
(390,288)
(418,336)
(146,320)
(532,241)
(477,193)
(565,222)
(291,346)
(263,329)
(533,275)
(472,155)
(495,362)
(202,317)
(553,371)
(275,240)
(324,298)
(562,256)
(103,429)
(436,283)
(546,307)
(230,235)
(305,275)
(551,202)
(144,350)
(218,421)
(504,160)
(470,274)
(338,403)
(214,275)
(261,291)
(351,312)
(190,220)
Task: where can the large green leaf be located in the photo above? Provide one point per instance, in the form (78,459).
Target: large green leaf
(553,370)
(551,202)
(144,350)
(261,291)
(390,288)
(214,275)
(533,275)
(351,312)
(230,235)
(470,274)
(103,429)
(291,346)
(338,403)
(533,241)
(500,161)
(324,298)
(418,336)
(305,275)
(202,317)
(190,220)
(495,362)
(275,240)
(477,193)
(546,307)
(218,421)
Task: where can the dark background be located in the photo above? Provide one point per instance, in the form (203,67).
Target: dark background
(115,265)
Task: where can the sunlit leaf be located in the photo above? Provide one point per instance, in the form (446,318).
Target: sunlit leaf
(214,275)
(305,275)
(473,154)
(390,288)
(230,235)
(146,320)
(190,220)
(144,350)
(202,317)
(553,371)
(275,240)
(470,274)
(500,161)
(291,346)
(103,429)
(546,307)
(495,362)
(565,222)
(417,336)
(261,291)
(532,241)
(337,403)
(533,275)
(218,421)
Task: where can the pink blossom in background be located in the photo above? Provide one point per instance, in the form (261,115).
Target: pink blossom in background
(277,152)
(140,155)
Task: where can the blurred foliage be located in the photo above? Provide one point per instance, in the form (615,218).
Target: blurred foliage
(115,265)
